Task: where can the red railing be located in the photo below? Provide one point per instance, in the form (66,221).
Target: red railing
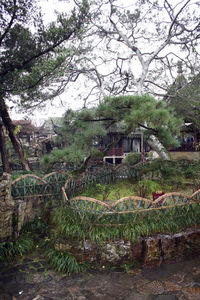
(115,152)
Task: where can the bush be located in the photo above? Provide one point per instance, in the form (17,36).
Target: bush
(26,241)
(63,261)
(146,187)
(10,249)
(132,159)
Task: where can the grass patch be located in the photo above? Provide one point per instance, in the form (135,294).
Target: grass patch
(63,262)
(81,225)
(111,192)
(15,248)
(26,242)
(124,188)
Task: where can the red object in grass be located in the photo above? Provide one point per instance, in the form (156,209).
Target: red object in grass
(157,195)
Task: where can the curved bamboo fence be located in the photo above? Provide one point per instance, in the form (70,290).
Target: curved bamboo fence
(133,204)
(46,188)
(61,185)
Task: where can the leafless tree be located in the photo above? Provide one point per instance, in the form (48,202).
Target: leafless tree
(135,48)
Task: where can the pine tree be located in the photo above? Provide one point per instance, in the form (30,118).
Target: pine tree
(83,131)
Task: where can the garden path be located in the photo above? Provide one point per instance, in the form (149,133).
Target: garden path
(31,279)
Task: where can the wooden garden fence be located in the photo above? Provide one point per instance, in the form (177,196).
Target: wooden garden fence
(59,186)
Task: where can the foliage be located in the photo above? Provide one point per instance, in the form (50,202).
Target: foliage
(33,57)
(170,171)
(35,234)
(68,155)
(144,112)
(131,266)
(26,241)
(89,222)
(132,158)
(19,247)
(104,189)
(143,179)
(70,224)
(146,187)
(63,261)
(183,96)
(84,131)
(38,227)
(115,190)
(18,174)
(30,61)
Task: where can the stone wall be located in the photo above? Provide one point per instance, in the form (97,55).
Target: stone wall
(27,210)
(150,251)
(189,155)
(15,214)
(6,207)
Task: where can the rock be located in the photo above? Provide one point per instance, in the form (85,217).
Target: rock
(152,252)
(178,277)
(89,251)
(81,250)
(166,297)
(168,248)
(118,251)
(75,293)
(172,287)
(135,296)
(180,246)
(154,288)
(137,249)
(192,292)
(6,207)
(193,243)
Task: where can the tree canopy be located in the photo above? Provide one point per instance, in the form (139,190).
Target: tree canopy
(33,56)
(106,46)
(83,131)
(184,97)
(135,47)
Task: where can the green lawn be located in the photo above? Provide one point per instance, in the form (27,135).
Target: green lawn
(123,188)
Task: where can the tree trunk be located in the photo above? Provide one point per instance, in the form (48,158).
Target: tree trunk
(4,156)
(158,147)
(14,139)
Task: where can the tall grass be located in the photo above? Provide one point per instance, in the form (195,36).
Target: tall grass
(71,224)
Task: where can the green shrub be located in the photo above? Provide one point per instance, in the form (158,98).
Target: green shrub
(146,187)
(37,227)
(63,261)
(19,247)
(30,233)
(132,159)
(71,224)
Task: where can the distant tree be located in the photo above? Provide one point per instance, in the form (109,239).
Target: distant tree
(84,130)
(184,96)
(33,57)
